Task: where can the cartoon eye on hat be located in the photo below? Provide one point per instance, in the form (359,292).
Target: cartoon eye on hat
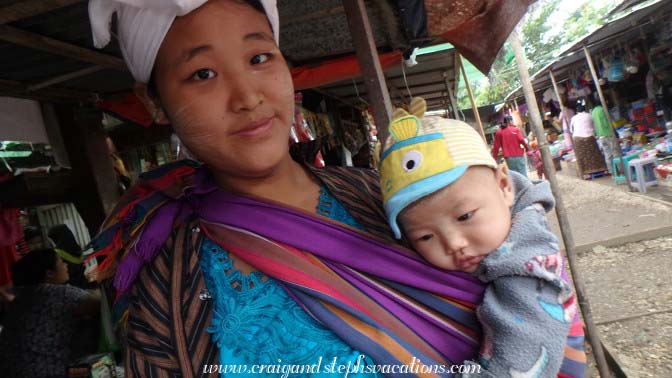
(411,161)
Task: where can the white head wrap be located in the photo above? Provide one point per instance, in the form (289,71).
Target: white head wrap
(143,24)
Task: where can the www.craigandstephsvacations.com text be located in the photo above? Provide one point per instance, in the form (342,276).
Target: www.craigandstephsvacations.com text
(332,366)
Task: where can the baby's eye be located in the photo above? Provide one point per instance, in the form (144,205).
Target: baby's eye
(411,161)
(427,237)
(203,74)
(465,217)
(260,58)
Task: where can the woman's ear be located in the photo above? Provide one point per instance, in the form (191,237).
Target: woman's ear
(151,103)
(505,185)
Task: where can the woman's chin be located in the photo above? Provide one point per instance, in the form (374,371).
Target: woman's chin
(252,163)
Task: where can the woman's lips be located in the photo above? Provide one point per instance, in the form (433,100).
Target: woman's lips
(256,129)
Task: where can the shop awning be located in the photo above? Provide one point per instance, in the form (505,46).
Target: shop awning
(628,26)
(477,28)
(336,70)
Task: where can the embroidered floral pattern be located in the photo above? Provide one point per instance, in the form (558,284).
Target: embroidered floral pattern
(256,322)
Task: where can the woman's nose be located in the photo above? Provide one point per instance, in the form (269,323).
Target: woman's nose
(244,96)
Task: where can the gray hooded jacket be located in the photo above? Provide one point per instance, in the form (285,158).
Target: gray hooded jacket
(528,307)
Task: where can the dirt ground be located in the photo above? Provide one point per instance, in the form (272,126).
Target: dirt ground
(631,299)
(628,285)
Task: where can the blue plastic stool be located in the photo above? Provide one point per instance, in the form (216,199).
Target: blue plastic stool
(618,178)
(641,173)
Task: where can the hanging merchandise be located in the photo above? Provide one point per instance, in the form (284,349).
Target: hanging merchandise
(660,56)
(581,85)
(572,91)
(301,131)
(587,77)
(615,73)
(10,234)
(632,61)
(604,71)
(549,95)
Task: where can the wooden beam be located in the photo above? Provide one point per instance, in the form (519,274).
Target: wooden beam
(66,77)
(603,101)
(92,168)
(439,72)
(471,98)
(451,95)
(29,8)
(21,90)
(440,93)
(38,42)
(367,54)
(560,210)
(37,189)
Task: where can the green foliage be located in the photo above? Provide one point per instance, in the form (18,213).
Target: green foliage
(542,41)
(541,45)
(584,20)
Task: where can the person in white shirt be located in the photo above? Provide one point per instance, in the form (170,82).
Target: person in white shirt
(588,156)
(581,125)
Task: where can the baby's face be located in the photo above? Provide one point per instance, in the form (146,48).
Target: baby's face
(458,226)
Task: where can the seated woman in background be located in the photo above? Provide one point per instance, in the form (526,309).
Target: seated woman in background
(39,324)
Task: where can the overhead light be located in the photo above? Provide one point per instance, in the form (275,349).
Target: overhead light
(15,154)
(435,49)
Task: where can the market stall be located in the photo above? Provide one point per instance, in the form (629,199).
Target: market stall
(631,56)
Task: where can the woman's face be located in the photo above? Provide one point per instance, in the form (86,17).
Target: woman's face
(58,275)
(226,88)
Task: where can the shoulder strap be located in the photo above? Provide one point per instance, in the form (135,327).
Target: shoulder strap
(358,190)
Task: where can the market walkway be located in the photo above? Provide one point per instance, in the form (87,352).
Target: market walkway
(628,289)
(603,214)
(626,283)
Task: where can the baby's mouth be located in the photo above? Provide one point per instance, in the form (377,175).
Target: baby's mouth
(470,261)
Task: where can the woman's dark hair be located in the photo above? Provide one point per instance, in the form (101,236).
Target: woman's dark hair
(65,240)
(151,84)
(32,268)
(31,232)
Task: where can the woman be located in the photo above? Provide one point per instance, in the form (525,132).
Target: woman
(250,257)
(588,156)
(40,323)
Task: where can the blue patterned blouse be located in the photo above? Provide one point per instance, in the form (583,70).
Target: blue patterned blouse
(260,331)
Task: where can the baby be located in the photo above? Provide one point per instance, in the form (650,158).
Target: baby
(460,211)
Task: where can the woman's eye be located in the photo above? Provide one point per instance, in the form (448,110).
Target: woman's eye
(260,58)
(203,74)
(427,237)
(465,217)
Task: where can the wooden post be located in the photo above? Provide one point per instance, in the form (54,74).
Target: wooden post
(471,98)
(85,143)
(619,153)
(560,100)
(560,209)
(367,54)
(451,94)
